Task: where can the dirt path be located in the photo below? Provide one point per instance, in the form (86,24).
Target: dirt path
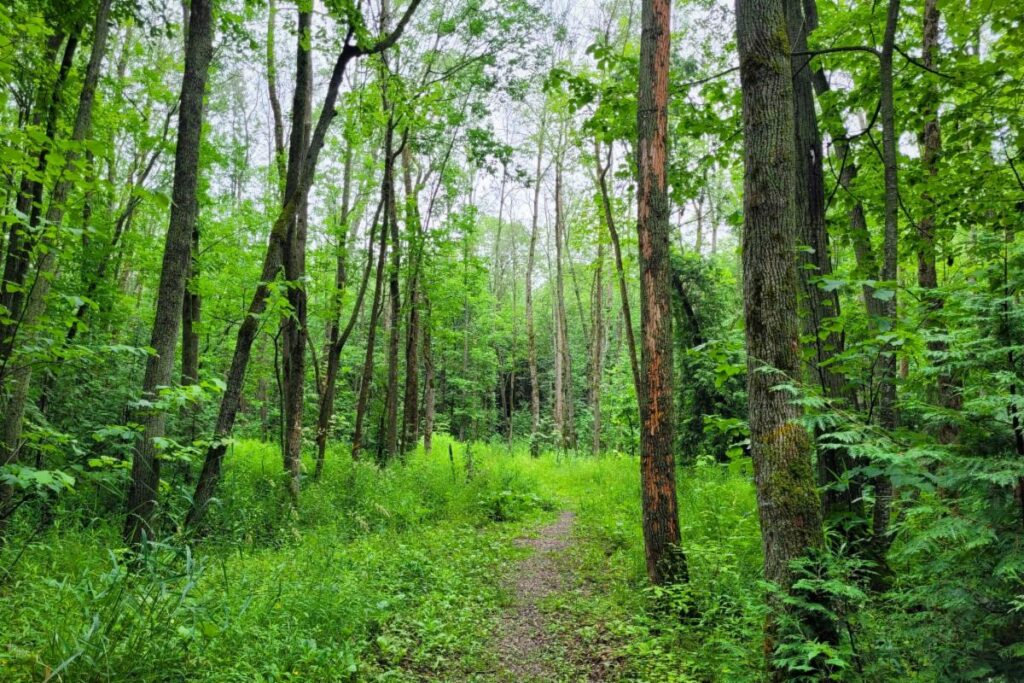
(532,645)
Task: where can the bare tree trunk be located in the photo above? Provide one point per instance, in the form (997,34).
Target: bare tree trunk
(666,562)
(531,333)
(378,293)
(275,102)
(788,504)
(395,300)
(142,498)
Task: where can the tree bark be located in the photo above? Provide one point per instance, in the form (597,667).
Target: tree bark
(666,562)
(597,345)
(293,327)
(429,384)
(563,367)
(787,498)
(814,262)
(145,481)
(410,401)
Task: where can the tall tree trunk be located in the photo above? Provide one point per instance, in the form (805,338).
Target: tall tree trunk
(293,327)
(947,386)
(429,384)
(666,562)
(563,367)
(531,333)
(788,504)
(410,401)
(378,302)
(335,337)
(272,262)
(887,415)
(613,233)
(597,344)
(142,497)
(814,263)
(395,301)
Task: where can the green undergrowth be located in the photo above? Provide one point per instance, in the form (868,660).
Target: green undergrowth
(382,575)
(386,575)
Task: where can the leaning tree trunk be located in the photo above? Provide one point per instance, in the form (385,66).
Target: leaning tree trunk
(142,497)
(666,562)
(613,234)
(787,498)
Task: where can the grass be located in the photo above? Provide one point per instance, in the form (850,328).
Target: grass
(384,576)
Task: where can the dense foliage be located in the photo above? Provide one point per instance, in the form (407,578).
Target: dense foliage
(402,252)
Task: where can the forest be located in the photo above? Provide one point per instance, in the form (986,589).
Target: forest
(512,340)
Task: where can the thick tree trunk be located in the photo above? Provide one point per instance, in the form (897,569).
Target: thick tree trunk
(142,497)
(814,263)
(788,504)
(293,327)
(666,562)
(395,318)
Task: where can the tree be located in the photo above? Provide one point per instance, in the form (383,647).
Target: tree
(787,499)
(666,562)
(142,498)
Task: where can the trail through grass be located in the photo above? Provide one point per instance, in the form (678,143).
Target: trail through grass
(392,575)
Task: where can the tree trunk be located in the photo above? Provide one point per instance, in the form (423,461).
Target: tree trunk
(613,233)
(887,415)
(947,386)
(531,333)
(145,481)
(275,102)
(814,263)
(410,402)
(293,327)
(666,562)
(563,367)
(597,344)
(395,301)
(378,293)
(428,381)
(788,505)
